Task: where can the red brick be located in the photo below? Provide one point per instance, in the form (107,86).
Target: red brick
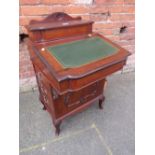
(107,25)
(56,1)
(129,23)
(99,26)
(22,69)
(115,17)
(127,36)
(25,75)
(23,29)
(116,9)
(30,68)
(21,76)
(126,42)
(122,9)
(24,20)
(113,37)
(130,48)
(31,2)
(131,30)
(76,9)
(101,1)
(122,42)
(132,42)
(33,10)
(98,9)
(128,17)
(84,16)
(95,17)
(122,17)
(129,1)
(24,62)
(106,31)
(56,8)
(109,1)
(129,9)
(32,73)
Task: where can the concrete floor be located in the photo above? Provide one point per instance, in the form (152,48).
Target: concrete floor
(92,132)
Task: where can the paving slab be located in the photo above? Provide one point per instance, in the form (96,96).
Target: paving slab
(86,142)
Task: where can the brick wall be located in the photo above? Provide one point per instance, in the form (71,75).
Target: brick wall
(113,18)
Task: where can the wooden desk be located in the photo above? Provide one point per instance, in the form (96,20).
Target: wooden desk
(71,64)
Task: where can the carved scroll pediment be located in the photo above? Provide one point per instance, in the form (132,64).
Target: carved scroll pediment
(56,17)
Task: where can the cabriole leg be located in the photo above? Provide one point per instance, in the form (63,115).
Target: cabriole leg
(44,108)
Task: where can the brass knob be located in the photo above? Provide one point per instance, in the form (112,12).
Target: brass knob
(90,35)
(42,49)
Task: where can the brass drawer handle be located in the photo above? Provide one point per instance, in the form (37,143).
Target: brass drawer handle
(54,94)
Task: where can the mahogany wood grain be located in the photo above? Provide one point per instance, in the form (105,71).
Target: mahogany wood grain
(64,92)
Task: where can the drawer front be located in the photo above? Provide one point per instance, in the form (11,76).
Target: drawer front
(71,100)
(82,96)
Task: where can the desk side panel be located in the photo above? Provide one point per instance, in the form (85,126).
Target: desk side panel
(42,68)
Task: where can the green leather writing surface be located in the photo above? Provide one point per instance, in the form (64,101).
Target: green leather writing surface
(78,53)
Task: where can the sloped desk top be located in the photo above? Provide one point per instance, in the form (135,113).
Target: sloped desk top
(77,57)
(81,52)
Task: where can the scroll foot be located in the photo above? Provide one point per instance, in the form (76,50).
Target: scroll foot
(101,100)
(44,108)
(57,128)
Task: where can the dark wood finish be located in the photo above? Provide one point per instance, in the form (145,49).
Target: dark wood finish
(56,26)
(57,126)
(64,92)
(101,100)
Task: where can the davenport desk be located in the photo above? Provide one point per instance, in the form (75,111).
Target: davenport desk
(71,64)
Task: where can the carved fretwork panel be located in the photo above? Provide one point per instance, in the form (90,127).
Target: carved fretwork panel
(48,94)
(43,89)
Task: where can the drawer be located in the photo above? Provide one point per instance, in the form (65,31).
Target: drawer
(86,94)
(70,101)
(80,97)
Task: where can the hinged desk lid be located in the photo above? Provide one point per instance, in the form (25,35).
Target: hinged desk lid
(77,58)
